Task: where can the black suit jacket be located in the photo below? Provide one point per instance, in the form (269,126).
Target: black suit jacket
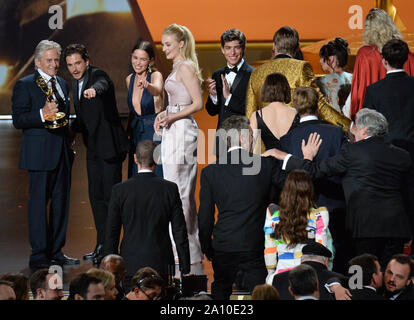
(144,206)
(281,281)
(241,200)
(41,149)
(365,294)
(98,118)
(377,182)
(393,96)
(329,190)
(237,104)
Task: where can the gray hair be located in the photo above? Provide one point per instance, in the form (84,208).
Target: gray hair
(374,121)
(313,257)
(45,45)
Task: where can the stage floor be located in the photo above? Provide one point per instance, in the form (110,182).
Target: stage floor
(14,195)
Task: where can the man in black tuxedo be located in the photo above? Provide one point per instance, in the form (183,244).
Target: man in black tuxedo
(47,155)
(371,278)
(329,190)
(144,206)
(317,256)
(106,142)
(240,184)
(303,283)
(393,96)
(377,179)
(228,85)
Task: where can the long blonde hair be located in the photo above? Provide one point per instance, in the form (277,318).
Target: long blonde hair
(182,33)
(379,28)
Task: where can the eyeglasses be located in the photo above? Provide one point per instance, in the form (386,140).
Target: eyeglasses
(150,297)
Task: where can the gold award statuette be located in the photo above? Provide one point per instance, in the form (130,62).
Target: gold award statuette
(57,120)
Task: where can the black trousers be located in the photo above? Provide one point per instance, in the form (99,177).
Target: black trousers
(227,264)
(49,209)
(383,248)
(102,175)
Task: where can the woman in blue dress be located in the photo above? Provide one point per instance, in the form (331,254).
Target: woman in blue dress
(145,100)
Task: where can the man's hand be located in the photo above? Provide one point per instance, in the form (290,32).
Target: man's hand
(340,292)
(226,87)
(89,93)
(310,149)
(211,87)
(276,153)
(49,109)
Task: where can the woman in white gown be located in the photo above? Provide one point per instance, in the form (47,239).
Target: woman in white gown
(180,131)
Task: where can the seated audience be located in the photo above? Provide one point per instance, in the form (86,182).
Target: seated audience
(303,283)
(317,256)
(292,223)
(40,286)
(20,284)
(334,57)
(276,119)
(265,292)
(86,287)
(108,281)
(115,264)
(6,290)
(371,277)
(146,284)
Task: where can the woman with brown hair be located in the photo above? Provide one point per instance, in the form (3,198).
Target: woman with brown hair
(276,119)
(293,223)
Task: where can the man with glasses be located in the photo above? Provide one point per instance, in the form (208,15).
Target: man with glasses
(146,285)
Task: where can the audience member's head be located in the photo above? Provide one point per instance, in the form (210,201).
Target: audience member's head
(40,286)
(236,131)
(370,123)
(265,292)
(395,53)
(303,282)
(116,265)
(371,269)
(379,28)
(305,101)
(276,89)
(108,281)
(6,290)
(86,287)
(144,155)
(398,273)
(296,200)
(146,284)
(20,284)
(316,252)
(334,55)
(286,41)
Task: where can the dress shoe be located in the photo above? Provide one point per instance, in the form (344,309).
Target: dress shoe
(65,260)
(92,255)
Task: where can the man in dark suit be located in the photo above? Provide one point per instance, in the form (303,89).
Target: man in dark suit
(228,85)
(329,190)
(376,177)
(47,155)
(144,206)
(106,142)
(317,256)
(371,278)
(303,283)
(393,96)
(240,184)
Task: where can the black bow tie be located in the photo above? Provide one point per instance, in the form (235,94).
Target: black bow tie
(228,70)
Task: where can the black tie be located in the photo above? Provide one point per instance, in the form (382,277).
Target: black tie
(60,100)
(228,70)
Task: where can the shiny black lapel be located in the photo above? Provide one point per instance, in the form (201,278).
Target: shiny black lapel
(239,76)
